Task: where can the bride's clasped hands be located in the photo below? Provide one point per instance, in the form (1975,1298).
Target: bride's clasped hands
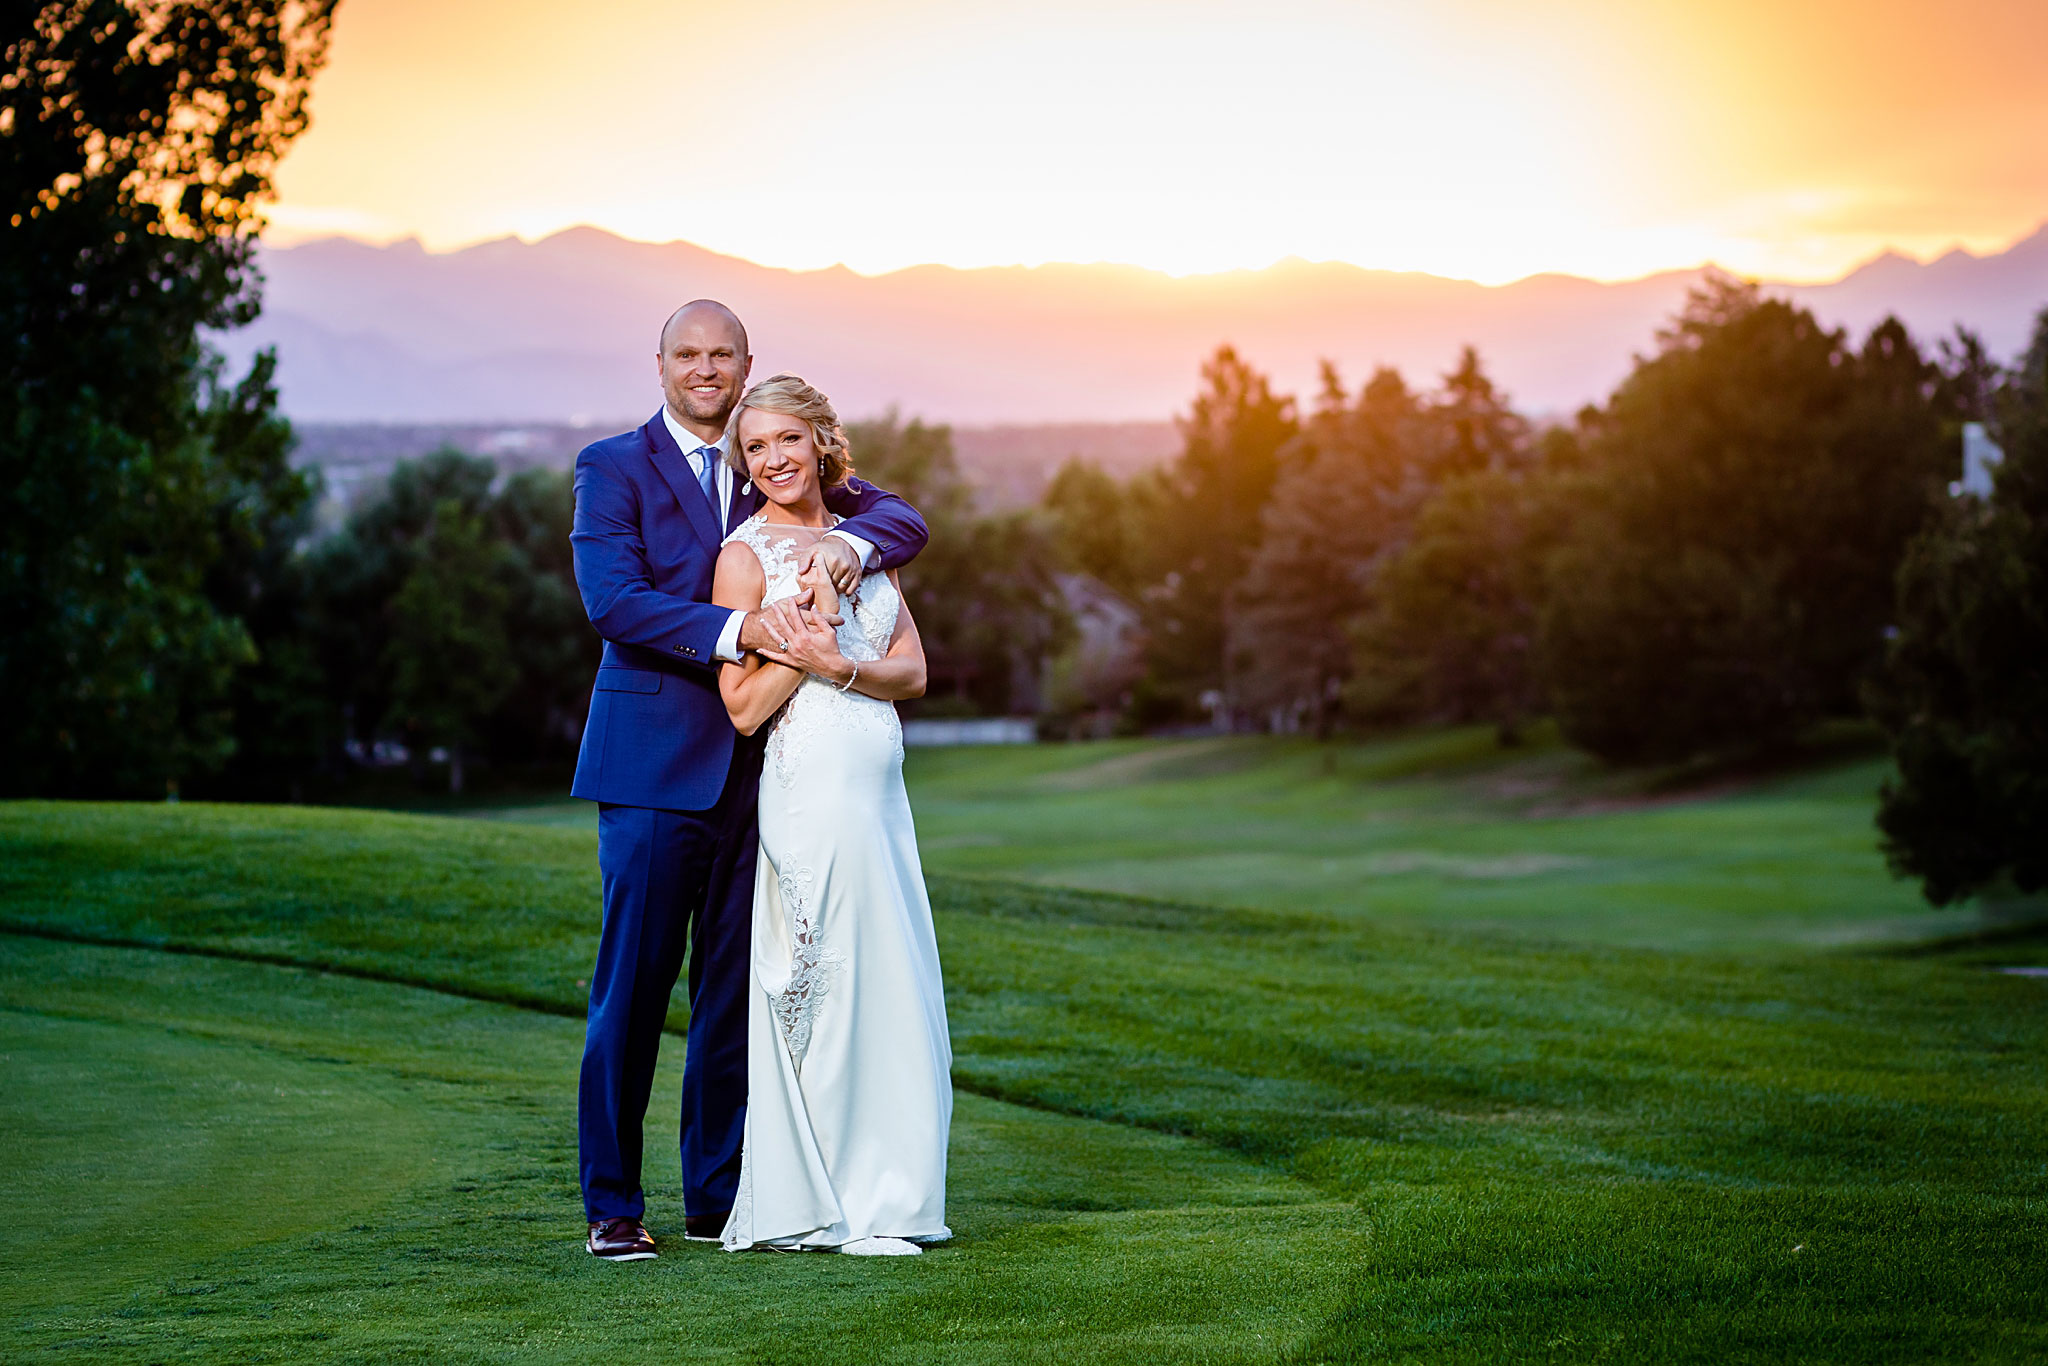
(814,645)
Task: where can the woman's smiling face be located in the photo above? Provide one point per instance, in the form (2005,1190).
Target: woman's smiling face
(781,458)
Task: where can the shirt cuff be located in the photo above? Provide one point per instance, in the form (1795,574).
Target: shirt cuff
(728,647)
(864,550)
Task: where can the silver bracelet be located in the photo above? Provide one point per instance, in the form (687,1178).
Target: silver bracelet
(850,677)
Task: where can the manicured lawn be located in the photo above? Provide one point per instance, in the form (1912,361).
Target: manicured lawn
(1438,828)
(222,1161)
(1297,1131)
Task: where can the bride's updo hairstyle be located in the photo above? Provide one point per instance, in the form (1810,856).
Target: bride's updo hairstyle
(792,397)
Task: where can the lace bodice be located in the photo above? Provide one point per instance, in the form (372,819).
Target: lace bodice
(870,611)
(872,619)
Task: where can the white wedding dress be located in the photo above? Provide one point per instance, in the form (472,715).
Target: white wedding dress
(849,1097)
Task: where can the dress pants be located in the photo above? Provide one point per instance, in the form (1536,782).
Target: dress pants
(672,880)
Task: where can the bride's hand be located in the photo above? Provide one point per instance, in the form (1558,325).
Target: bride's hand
(816,576)
(814,648)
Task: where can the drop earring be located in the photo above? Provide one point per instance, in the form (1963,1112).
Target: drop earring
(746,488)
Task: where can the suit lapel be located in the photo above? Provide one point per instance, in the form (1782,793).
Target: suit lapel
(674,468)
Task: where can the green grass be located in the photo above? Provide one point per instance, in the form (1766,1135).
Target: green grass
(1437,828)
(217,1160)
(1304,1132)
(1434,828)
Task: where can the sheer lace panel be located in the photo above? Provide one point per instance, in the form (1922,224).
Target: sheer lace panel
(811,965)
(779,548)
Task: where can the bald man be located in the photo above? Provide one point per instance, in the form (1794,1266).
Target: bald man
(675,784)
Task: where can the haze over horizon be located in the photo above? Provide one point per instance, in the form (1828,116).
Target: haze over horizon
(1882,253)
(563,326)
(1475,140)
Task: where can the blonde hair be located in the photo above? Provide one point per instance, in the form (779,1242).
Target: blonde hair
(790,396)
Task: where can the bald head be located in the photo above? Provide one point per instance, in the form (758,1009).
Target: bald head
(709,312)
(703,363)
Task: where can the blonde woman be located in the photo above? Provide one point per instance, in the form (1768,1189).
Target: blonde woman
(849,1100)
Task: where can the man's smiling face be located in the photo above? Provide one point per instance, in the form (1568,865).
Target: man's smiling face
(703,365)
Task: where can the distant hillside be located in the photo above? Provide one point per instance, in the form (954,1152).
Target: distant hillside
(562,330)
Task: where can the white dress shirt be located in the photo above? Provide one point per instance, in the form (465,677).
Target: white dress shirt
(693,447)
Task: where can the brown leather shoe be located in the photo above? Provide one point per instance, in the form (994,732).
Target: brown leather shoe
(705,1228)
(620,1240)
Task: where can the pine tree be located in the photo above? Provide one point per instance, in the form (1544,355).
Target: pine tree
(1964,692)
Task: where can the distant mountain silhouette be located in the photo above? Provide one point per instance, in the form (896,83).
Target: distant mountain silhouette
(563,329)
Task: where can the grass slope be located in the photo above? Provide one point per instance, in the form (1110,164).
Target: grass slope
(217,1161)
(1558,1152)
(1440,828)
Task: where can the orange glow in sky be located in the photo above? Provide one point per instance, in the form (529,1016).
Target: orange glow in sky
(1473,138)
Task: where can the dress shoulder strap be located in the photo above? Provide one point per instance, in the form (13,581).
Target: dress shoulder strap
(748,533)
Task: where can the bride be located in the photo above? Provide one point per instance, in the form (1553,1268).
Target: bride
(848,1091)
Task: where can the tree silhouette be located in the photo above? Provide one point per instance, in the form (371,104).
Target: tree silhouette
(1207,526)
(1341,504)
(983,592)
(1964,693)
(448,653)
(1748,493)
(139,139)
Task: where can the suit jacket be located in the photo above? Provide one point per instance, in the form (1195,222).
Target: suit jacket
(646,543)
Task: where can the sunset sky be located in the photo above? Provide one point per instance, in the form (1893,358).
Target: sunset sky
(1473,138)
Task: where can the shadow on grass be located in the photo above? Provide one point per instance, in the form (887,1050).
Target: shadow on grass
(2006,933)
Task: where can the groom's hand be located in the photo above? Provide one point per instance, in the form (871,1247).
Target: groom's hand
(770,631)
(837,559)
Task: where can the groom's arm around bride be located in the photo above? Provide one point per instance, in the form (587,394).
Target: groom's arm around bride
(651,515)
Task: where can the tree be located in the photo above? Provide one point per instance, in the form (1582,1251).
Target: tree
(1969,377)
(449,657)
(551,639)
(442,612)
(984,590)
(1964,691)
(1747,495)
(139,141)
(1393,572)
(1207,526)
(1446,632)
(358,573)
(1453,631)
(1098,523)
(280,723)
(1342,502)
(1476,428)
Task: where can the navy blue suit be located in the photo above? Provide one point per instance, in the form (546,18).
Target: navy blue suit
(676,788)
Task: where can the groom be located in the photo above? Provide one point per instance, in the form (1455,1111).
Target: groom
(674,783)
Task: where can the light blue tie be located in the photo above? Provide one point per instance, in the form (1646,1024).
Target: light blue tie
(707,476)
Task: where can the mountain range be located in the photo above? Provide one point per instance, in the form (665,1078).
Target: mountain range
(563,329)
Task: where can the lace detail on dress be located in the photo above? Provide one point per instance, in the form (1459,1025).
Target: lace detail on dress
(816,708)
(777,556)
(810,965)
(817,705)
(739,1225)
